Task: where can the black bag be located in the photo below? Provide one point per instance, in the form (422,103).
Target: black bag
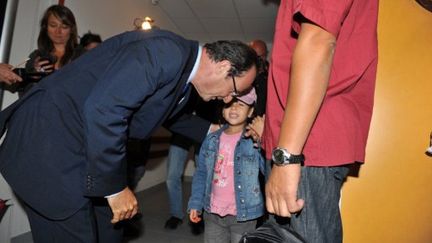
(272,232)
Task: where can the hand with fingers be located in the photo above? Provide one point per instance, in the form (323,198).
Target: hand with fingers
(256,128)
(123,205)
(281,190)
(195,216)
(43,65)
(7,75)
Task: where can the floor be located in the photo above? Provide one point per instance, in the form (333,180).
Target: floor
(154,208)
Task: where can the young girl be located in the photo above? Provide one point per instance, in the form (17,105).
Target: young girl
(226,183)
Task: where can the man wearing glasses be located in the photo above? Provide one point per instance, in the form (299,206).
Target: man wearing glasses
(64,152)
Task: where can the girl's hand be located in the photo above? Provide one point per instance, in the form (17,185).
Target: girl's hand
(194,216)
(255,128)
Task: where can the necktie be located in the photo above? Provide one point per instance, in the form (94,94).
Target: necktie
(184,92)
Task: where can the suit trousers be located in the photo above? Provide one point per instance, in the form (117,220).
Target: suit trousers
(90,224)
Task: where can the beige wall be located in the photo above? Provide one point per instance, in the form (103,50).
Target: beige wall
(391,200)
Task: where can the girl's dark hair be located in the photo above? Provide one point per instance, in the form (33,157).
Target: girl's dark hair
(45,44)
(241,56)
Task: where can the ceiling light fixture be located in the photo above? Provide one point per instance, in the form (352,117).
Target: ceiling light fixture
(145,24)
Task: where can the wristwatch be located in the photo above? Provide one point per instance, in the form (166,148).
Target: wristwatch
(281,156)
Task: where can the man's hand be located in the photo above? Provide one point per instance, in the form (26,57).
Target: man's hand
(194,216)
(281,190)
(123,205)
(7,75)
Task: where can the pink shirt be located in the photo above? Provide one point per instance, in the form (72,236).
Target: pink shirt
(340,131)
(223,201)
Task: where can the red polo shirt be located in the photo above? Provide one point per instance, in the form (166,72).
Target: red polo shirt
(340,131)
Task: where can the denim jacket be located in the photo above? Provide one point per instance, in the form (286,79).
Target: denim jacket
(248,161)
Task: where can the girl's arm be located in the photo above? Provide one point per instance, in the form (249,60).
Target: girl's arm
(261,160)
(199,181)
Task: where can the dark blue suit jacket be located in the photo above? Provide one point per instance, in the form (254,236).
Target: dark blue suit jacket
(66,137)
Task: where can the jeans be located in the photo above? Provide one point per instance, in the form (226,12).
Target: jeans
(225,229)
(177,157)
(320,221)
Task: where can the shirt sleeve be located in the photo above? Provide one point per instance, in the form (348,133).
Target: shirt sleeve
(328,14)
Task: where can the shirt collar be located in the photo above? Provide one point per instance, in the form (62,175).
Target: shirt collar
(195,67)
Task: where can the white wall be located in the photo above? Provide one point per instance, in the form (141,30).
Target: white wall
(25,34)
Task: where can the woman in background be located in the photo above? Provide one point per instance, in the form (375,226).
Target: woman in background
(57,41)
(57,45)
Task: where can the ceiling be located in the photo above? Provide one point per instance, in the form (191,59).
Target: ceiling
(202,20)
(210,20)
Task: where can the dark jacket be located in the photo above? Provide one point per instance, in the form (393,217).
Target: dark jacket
(66,137)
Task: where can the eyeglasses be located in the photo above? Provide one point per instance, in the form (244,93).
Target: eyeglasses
(235,93)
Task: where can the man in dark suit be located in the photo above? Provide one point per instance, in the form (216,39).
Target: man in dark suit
(64,151)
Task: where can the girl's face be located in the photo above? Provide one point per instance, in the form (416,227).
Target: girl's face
(58,32)
(236,113)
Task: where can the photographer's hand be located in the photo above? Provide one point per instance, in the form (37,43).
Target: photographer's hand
(7,75)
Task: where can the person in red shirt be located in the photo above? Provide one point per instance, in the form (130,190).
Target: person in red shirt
(319,106)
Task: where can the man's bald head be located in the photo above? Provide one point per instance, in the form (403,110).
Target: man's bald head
(260,48)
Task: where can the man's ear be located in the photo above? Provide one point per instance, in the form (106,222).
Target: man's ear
(224,66)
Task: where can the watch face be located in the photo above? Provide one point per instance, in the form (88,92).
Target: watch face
(278,156)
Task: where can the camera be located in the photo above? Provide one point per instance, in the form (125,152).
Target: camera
(30,75)
(39,57)
(28,79)
(48,57)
